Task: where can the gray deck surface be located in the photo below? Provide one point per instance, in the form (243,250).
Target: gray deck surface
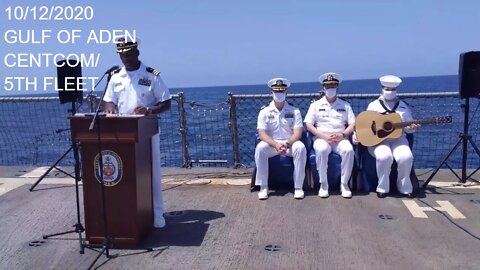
(227,227)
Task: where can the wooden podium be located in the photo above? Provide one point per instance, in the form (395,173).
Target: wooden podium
(127,166)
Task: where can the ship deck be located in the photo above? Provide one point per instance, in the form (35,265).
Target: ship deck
(215,222)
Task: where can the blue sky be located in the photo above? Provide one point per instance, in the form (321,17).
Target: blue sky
(212,43)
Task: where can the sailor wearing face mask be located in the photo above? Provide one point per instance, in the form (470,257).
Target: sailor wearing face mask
(331,121)
(390,149)
(280,128)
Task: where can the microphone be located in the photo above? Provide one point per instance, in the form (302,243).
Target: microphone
(112,69)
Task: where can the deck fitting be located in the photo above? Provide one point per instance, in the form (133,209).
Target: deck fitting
(385,216)
(273,248)
(475,201)
(36,243)
(174,213)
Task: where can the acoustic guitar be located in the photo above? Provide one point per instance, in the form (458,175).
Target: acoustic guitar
(373,128)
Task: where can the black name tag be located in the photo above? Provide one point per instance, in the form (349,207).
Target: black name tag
(144,81)
(321,110)
(340,110)
(289,115)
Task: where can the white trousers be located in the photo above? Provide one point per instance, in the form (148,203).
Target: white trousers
(156,178)
(384,153)
(263,152)
(344,148)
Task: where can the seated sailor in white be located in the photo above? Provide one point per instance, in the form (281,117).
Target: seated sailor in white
(391,149)
(280,128)
(331,120)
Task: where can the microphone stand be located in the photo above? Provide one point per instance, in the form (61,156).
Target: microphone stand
(107,242)
(78,227)
(91,96)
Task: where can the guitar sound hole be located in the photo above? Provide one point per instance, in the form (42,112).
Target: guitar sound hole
(387,126)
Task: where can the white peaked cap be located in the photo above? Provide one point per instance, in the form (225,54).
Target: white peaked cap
(390,81)
(126,43)
(279,82)
(330,77)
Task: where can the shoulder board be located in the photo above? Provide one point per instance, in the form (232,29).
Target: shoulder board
(264,106)
(153,71)
(342,99)
(115,71)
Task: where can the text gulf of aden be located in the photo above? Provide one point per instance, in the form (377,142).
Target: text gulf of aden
(73,36)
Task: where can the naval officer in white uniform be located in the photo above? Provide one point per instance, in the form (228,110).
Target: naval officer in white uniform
(280,128)
(331,120)
(390,149)
(138,89)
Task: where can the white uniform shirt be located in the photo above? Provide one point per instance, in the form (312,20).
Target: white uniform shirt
(279,125)
(130,89)
(330,118)
(403,109)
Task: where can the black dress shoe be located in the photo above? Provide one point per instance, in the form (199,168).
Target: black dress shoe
(381,195)
(410,195)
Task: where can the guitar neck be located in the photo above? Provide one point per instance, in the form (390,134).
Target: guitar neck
(422,121)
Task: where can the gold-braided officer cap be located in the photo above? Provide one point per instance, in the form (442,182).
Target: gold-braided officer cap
(279,84)
(330,78)
(126,43)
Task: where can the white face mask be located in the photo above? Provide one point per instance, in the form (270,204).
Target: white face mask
(389,95)
(330,92)
(279,97)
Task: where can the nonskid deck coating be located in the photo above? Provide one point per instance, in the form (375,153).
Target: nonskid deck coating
(227,227)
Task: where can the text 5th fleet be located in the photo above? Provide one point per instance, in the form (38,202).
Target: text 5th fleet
(33,83)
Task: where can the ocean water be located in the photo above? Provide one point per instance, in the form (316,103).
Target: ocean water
(216,94)
(29,130)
